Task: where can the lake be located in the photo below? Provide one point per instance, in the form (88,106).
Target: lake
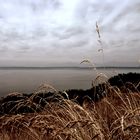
(26,80)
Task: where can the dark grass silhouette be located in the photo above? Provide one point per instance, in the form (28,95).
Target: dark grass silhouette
(23,103)
(17,103)
(124,79)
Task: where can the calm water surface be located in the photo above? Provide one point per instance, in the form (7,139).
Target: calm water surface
(27,80)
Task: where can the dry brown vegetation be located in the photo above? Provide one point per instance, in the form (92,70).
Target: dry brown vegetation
(115,117)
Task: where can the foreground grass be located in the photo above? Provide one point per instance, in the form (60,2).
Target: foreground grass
(114,117)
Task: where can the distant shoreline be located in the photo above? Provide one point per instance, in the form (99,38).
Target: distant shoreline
(66,68)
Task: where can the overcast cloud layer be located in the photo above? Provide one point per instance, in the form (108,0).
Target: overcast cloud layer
(62,32)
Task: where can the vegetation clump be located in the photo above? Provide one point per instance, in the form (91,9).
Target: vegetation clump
(107,111)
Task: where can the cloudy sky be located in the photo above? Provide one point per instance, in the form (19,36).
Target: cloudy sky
(63,32)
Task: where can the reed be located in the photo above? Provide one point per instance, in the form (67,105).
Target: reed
(114,117)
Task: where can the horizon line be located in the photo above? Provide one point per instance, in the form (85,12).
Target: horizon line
(65,67)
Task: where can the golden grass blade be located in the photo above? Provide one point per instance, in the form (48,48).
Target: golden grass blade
(98,30)
(86,61)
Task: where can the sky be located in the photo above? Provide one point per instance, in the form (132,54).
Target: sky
(63,32)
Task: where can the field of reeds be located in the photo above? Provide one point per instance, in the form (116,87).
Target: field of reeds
(108,111)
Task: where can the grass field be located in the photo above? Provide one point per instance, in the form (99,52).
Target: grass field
(116,116)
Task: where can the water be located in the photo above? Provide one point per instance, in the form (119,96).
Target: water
(26,80)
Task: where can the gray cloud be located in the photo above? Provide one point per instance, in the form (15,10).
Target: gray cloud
(40,32)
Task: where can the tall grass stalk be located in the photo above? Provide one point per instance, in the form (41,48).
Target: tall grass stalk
(101,44)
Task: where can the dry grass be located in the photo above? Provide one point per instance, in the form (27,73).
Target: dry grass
(115,117)
(58,121)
